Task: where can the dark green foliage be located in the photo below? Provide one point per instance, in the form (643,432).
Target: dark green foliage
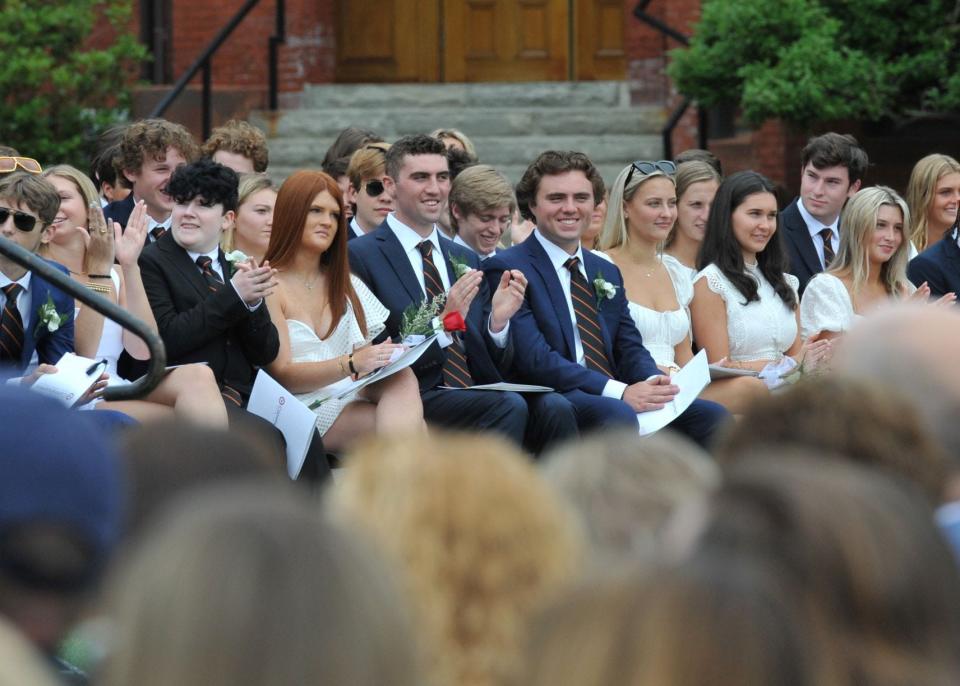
(56,93)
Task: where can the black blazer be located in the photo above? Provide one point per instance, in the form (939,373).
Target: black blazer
(198,325)
(379,260)
(804,262)
(939,266)
(119,211)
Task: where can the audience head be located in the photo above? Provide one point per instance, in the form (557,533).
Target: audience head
(250,230)
(858,545)
(28,206)
(418,180)
(246,584)
(481,207)
(644,198)
(111,184)
(60,513)
(454,139)
(77,195)
(832,167)
(481,541)
(205,197)
(933,194)
(238,145)
(626,489)
(458,160)
(337,158)
(597,218)
(741,230)
(875,223)
(697,184)
(700,155)
(557,187)
(149,152)
(367,192)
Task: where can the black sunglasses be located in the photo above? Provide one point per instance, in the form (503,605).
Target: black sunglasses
(22,220)
(644,167)
(373,188)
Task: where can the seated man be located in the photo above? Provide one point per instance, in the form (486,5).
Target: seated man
(938,266)
(370,200)
(569,336)
(481,206)
(238,145)
(406,261)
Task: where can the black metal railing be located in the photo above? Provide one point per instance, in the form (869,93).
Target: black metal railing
(158,354)
(204,63)
(640,12)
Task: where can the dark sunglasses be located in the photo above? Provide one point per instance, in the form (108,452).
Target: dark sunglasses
(373,188)
(644,167)
(22,220)
(27,164)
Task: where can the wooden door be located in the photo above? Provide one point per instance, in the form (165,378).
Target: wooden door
(506,40)
(388,40)
(599,30)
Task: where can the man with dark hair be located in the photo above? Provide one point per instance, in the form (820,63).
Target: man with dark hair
(113,186)
(406,262)
(699,155)
(832,169)
(149,152)
(573,330)
(238,145)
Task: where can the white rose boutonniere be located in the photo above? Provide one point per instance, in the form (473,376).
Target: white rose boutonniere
(48,318)
(603,289)
(460,267)
(235,257)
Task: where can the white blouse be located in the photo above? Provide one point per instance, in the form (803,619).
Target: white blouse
(763,329)
(826,306)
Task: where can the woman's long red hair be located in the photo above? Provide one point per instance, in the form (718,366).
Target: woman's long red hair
(289,218)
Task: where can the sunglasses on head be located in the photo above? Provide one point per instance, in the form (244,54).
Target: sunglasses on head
(22,220)
(27,164)
(373,188)
(645,168)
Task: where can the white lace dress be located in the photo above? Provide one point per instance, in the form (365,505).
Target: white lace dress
(306,346)
(760,330)
(662,331)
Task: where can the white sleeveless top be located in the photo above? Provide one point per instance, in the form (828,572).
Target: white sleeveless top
(760,330)
(306,346)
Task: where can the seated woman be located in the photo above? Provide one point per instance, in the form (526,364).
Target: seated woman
(658,292)
(744,307)
(697,184)
(250,231)
(327,318)
(870,268)
(933,196)
(85,245)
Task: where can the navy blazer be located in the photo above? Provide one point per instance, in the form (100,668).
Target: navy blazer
(543,332)
(50,346)
(804,261)
(119,211)
(379,260)
(939,266)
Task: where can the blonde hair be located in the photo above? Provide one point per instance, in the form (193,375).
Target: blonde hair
(457,135)
(614,233)
(249,184)
(481,539)
(86,189)
(477,189)
(859,221)
(369,161)
(921,189)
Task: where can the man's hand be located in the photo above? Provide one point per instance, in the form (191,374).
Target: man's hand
(462,293)
(507,299)
(653,394)
(254,283)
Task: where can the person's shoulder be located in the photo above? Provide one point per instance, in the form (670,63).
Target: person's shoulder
(792,281)
(508,258)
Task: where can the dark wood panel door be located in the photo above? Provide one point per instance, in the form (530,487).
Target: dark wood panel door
(599,30)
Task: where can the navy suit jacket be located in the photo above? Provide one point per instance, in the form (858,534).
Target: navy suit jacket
(50,346)
(119,211)
(543,332)
(804,262)
(939,266)
(379,260)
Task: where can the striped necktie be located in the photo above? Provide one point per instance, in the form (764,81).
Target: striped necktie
(588,325)
(827,235)
(456,370)
(214,282)
(11,325)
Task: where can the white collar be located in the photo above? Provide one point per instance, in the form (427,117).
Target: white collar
(815,226)
(355,227)
(24,280)
(409,238)
(214,254)
(558,256)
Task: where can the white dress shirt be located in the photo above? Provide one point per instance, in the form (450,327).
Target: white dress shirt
(214,256)
(355,227)
(815,227)
(558,256)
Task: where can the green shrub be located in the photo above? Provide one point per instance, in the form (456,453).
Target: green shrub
(807,60)
(57,93)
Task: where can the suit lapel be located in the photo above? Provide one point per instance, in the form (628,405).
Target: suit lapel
(543,266)
(38,296)
(796,230)
(181,260)
(395,256)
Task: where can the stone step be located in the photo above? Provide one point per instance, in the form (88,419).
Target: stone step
(534,94)
(473,121)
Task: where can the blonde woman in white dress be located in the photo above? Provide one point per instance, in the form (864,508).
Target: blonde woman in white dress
(327,319)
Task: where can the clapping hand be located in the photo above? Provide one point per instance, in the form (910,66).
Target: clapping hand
(129,243)
(99,242)
(462,293)
(507,299)
(254,283)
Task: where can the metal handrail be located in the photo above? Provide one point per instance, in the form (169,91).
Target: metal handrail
(640,12)
(204,62)
(158,354)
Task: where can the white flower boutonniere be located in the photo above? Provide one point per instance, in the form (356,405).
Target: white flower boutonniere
(603,289)
(460,267)
(235,257)
(48,318)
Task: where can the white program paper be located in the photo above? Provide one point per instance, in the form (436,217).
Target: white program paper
(74,377)
(292,417)
(692,379)
(503,386)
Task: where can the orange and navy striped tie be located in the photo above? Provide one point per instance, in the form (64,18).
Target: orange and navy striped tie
(456,370)
(11,325)
(588,325)
(214,282)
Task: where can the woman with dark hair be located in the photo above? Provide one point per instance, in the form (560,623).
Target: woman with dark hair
(744,308)
(327,319)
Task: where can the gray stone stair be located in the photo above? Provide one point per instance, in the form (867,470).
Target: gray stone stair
(510,124)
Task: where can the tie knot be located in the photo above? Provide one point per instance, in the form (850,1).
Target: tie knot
(204,262)
(12,290)
(425,248)
(826,234)
(573,264)
(158,231)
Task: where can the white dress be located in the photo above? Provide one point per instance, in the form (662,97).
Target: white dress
(760,330)
(306,346)
(677,267)
(826,306)
(662,331)
(111,338)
